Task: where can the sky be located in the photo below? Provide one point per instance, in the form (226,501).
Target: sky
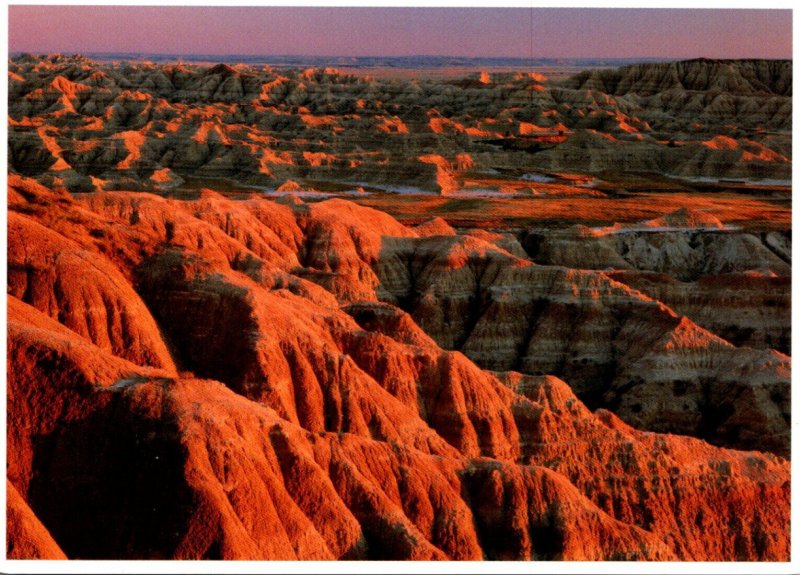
(382,31)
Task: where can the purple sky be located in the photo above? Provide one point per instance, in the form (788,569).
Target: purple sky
(375,31)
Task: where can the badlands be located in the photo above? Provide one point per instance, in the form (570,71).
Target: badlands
(260,313)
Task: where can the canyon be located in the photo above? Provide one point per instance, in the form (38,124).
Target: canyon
(267,313)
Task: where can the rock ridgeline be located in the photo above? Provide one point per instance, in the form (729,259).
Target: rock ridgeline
(736,77)
(733,282)
(80,125)
(218,379)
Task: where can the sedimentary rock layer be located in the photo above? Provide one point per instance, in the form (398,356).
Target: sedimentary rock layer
(265,404)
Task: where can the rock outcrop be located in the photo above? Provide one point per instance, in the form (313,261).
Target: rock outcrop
(294,415)
(746,309)
(180,468)
(83,291)
(617,347)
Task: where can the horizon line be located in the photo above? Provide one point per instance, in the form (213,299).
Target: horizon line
(15,53)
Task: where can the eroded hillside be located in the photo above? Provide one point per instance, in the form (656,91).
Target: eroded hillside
(544,320)
(93,126)
(217,378)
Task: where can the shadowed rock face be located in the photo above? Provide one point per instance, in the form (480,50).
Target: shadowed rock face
(748,309)
(83,291)
(27,538)
(618,348)
(83,126)
(611,343)
(734,283)
(295,415)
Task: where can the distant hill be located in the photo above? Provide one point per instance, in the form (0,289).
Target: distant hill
(730,76)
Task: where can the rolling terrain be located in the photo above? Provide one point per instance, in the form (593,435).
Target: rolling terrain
(89,126)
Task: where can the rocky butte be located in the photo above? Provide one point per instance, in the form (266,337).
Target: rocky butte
(262,313)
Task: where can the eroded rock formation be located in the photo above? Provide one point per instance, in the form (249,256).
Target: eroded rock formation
(81,125)
(257,392)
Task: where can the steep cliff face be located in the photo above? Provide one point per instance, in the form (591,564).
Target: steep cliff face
(610,343)
(733,282)
(262,487)
(617,347)
(746,309)
(52,375)
(684,253)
